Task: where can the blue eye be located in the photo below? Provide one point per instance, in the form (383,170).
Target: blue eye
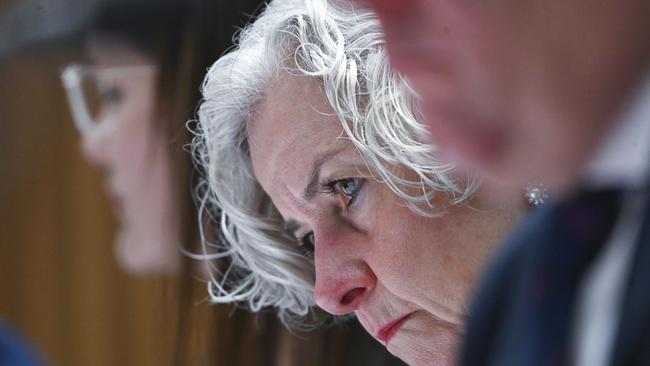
(349,187)
(111,95)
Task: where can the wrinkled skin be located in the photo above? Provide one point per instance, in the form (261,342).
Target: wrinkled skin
(374,257)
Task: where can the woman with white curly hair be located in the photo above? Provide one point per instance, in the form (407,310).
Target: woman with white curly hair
(325,191)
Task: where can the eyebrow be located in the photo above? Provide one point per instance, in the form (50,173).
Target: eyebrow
(314,178)
(310,191)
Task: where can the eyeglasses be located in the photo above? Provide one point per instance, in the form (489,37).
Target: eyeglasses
(90,92)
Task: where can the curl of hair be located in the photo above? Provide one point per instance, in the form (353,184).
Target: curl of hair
(343,48)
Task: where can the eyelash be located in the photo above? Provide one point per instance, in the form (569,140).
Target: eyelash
(331,187)
(306,248)
(111,95)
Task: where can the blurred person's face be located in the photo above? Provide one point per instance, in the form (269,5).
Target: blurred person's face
(519,90)
(123,137)
(406,277)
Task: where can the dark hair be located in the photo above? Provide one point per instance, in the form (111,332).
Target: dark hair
(144,23)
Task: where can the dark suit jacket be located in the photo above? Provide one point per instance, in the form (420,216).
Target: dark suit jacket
(492,337)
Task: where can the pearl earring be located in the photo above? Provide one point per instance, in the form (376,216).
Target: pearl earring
(536,194)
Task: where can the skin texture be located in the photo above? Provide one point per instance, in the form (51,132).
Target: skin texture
(519,90)
(374,256)
(133,154)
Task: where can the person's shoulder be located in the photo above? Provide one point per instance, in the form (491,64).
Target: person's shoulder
(15,349)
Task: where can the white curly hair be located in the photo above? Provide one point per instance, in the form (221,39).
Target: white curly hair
(343,48)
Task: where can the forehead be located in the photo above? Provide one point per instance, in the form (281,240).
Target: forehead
(115,52)
(291,126)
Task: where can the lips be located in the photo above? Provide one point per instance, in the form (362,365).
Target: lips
(389,330)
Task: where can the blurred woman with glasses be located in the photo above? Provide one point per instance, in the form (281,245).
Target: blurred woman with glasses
(130,104)
(127,104)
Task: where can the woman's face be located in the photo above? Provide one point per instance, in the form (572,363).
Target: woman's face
(129,145)
(406,277)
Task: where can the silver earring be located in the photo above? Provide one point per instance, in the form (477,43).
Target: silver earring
(536,194)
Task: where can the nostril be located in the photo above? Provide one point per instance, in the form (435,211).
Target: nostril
(351,295)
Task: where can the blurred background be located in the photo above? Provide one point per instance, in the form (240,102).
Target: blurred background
(60,284)
(76,280)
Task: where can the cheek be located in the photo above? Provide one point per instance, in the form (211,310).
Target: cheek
(431,262)
(414,253)
(403,244)
(135,134)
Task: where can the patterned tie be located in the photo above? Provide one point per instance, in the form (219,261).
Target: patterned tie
(575,231)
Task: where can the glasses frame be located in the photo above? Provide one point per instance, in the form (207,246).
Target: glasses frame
(72,77)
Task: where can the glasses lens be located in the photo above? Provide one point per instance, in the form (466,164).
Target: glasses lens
(94,92)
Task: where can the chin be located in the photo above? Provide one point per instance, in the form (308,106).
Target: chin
(426,342)
(433,355)
(140,255)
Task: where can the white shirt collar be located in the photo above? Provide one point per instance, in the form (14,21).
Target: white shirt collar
(623,159)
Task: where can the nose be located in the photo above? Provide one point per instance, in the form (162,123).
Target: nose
(343,279)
